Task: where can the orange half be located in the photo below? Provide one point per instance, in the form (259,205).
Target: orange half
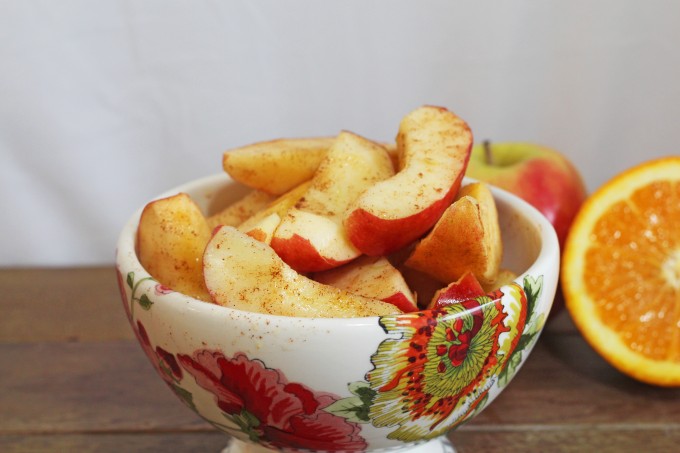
(621,271)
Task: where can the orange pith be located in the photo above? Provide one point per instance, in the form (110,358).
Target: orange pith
(621,271)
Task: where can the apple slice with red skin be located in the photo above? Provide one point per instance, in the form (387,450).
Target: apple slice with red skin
(374,277)
(433,145)
(467,287)
(467,237)
(243,273)
(311,236)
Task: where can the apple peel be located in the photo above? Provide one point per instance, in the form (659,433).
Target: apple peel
(171,236)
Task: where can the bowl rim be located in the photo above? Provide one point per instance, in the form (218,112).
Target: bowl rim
(126,259)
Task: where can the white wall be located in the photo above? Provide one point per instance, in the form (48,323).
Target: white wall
(106,104)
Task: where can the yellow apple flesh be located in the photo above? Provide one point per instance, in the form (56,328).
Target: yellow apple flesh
(171,237)
(242,209)
(276,166)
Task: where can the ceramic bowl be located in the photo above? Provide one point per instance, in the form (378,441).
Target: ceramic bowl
(360,384)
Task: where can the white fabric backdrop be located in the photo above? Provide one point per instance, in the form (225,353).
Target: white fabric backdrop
(106,104)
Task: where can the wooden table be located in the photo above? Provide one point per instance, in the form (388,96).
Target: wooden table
(72,378)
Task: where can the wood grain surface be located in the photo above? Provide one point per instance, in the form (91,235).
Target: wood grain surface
(73,378)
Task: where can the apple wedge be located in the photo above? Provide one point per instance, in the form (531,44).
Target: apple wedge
(373,277)
(264,223)
(311,236)
(171,237)
(276,166)
(242,209)
(245,274)
(466,238)
(465,288)
(434,147)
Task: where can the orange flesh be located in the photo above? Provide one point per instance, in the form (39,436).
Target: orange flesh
(632,270)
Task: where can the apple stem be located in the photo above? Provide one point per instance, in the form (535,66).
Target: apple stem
(488,155)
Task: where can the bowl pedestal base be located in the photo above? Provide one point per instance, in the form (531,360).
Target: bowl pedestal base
(440,445)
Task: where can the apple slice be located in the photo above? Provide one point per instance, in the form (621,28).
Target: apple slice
(434,147)
(263,223)
(373,277)
(171,237)
(276,166)
(465,288)
(311,236)
(466,238)
(243,273)
(243,208)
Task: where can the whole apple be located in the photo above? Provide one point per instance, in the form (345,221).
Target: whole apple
(539,175)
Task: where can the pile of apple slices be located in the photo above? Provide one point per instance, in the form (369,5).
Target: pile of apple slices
(336,227)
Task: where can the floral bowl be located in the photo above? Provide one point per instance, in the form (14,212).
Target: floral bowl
(360,384)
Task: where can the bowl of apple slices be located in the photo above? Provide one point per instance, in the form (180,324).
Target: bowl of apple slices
(337,293)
